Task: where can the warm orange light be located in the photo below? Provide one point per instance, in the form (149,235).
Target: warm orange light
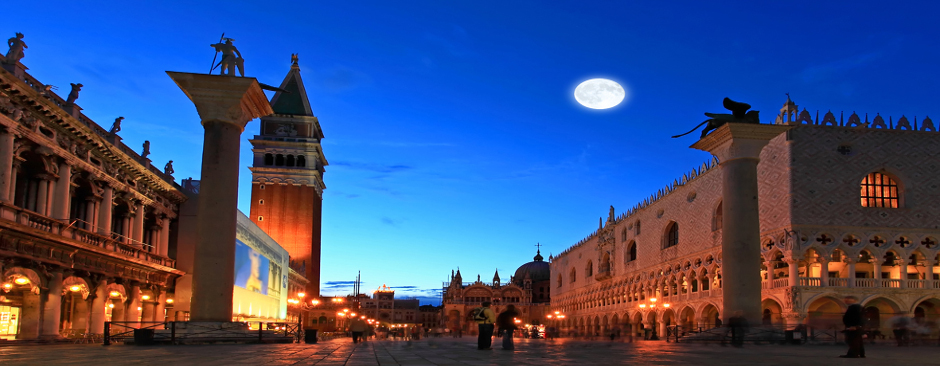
(561,317)
(642,305)
(21,281)
(115,294)
(363,317)
(666,305)
(145,297)
(352,314)
(139,308)
(557,312)
(169,301)
(341,314)
(653,299)
(75,288)
(301,295)
(345,310)
(315,302)
(111,306)
(8,285)
(549,316)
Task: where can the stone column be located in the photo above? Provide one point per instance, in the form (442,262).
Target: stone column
(850,263)
(104,212)
(6,166)
(91,214)
(137,232)
(30,315)
(160,307)
(770,270)
(902,271)
(42,196)
(62,199)
(928,271)
(131,312)
(823,271)
(52,307)
(225,105)
(876,268)
(738,147)
(165,237)
(793,265)
(96,315)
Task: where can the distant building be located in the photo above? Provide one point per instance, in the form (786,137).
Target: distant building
(429,316)
(528,290)
(385,308)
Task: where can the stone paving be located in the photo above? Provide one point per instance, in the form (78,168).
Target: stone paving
(450,351)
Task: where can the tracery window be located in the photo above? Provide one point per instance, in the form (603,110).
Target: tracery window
(879,190)
(631,251)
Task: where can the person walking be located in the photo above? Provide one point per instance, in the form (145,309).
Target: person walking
(485,319)
(854,322)
(358,327)
(507,325)
(738,325)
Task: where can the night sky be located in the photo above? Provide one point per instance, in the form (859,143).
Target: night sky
(451,130)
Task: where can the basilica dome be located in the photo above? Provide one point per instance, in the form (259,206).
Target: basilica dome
(538,270)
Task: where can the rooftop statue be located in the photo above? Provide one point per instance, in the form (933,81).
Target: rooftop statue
(294,59)
(168,168)
(146,151)
(231,58)
(16,44)
(116,126)
(739,114)
(73,95)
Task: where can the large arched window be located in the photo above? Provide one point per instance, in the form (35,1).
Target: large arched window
(559,280)
(631,251)
(268,159)
(672,235)
(879,190)
(717,218)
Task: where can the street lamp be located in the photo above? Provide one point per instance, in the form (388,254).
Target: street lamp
(652,307)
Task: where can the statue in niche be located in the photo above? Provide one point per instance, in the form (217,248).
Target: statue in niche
(739,114)
(146,151)
(73,95)
(15,54)
(168,168)
(231,58)
(116,126)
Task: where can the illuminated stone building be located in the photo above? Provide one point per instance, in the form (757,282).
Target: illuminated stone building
(87,225)
(384,307)
(847,207)
(528,290)
(287,177)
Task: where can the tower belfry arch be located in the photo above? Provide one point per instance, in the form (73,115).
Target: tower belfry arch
(287,177)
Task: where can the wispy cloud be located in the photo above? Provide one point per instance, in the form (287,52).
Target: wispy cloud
(371,167)
(337,285)
(827,70)
(390,222)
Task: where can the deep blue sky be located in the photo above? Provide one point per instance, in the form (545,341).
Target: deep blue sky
(451,130)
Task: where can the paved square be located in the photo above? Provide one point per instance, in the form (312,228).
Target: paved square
(450,351)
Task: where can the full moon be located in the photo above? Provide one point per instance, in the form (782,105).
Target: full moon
(599,93)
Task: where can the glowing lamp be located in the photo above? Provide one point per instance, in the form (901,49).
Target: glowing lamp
(115,294)
(139,308)
(549,316)
(75,288)
(21,281)
(642,306)
(301,295)
(7,286)
(341,313)
(557,312)
(653,299)
(315,302)
(352,314)
(111,306)
(666,305)
(169,301)
(145,297)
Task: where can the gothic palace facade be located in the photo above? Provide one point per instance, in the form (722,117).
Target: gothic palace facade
(846,208)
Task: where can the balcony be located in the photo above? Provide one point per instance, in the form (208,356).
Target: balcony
(602,273)
(859,282)
(115,246)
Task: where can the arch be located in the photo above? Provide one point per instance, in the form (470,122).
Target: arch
(824,311)
(880,189)
(559,280)
(710,316)
(630,253)
(623,234)
(35,281)
(771,312)
(636,228)
(301,161)
(717,219)
(589,269)
(671,235)
(573,274)
(268,159)
(605,263)
(290,161)
(687,318)
(279,160)
(77,285)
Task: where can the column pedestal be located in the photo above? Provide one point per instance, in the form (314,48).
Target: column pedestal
(96,315)
(738,147)
(225,105)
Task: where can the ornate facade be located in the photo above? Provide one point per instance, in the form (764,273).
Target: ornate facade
(87,224)
(846,208)
(528,290)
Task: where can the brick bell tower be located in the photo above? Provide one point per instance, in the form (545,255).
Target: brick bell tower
(287,177)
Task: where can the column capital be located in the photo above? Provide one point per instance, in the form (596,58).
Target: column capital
(739,140)
(792,260)
(228,99)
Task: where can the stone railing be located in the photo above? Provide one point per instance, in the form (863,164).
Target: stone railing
(810,281)
(918,283)
(867,282)
(58,228)
(890,283)
(838,282)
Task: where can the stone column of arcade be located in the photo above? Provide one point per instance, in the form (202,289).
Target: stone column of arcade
(738,147)
(225,105)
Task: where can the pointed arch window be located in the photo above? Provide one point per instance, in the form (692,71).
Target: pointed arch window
(631,251)
(717,218)
(573,274)
(672,235)
(880,190)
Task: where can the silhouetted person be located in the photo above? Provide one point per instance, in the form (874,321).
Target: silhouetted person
(738,325)
(485,321)
(507,325)
(854,322)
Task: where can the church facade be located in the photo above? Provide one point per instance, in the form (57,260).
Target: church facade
(528,290)
(846,208)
